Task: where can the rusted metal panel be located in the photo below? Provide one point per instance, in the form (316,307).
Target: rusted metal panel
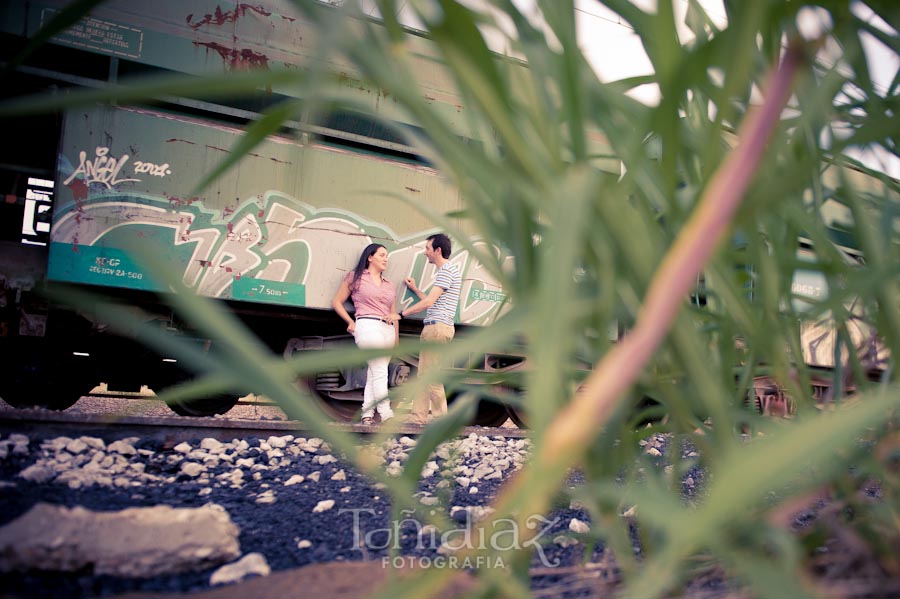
(204,37)
(283,226)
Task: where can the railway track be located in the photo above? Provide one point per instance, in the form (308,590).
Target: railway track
(148,418)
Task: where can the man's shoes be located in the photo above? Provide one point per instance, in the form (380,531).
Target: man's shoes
(367,420)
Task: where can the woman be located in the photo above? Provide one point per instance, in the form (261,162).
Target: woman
(375,324)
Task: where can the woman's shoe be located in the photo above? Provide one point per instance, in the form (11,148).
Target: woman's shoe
(368,421)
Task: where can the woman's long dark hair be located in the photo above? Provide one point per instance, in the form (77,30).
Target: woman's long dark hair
(363,263)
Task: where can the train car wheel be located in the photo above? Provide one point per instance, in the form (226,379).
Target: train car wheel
(203,406)
(340,410)
(517,416)
(34,381)
(490,413)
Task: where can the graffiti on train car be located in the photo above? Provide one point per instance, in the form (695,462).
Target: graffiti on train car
(271,249)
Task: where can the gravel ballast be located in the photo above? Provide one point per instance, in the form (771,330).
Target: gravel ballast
(294,502)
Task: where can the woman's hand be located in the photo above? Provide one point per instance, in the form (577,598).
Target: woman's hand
(393,318)
(351,328)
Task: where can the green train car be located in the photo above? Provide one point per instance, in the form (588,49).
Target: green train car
(271,238)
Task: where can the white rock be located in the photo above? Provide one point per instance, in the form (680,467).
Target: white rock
(266,498)
(76,446)
(128,543)
(314,476)
(323,506)
(577,526)
(250,564)
(339,475)
(481,471)
(304,544)
(294,480)
(564,541)
(192,469)
(280,442)
(210,445)
(38,473)
(183,448)
(122,446)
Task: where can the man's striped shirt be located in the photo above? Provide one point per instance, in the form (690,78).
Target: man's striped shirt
(444,308)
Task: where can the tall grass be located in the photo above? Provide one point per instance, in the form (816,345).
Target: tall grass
(720,180)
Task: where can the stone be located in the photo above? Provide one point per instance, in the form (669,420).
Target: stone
(38,473)
(577,526)
(122,446)
(135,542)
(76,446)
(249,565)
(192,469)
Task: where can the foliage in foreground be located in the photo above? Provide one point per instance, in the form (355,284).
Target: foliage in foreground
(701,170)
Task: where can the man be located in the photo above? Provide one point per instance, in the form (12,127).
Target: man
(440,304)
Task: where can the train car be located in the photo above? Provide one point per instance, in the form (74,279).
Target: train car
(271,238)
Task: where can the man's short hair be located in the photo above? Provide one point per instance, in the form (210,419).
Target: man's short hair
(439,240)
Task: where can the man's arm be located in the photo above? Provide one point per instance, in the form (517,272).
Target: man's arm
(426,302)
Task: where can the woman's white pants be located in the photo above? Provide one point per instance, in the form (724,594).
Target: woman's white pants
(370,333)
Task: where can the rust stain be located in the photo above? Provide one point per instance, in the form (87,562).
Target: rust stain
(414,190)
(220,17)
(79,189)
(216,148)
(176,202)
(272,158)
(184,141)
(238,59)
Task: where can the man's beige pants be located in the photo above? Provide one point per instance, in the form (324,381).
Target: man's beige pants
(433,397)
